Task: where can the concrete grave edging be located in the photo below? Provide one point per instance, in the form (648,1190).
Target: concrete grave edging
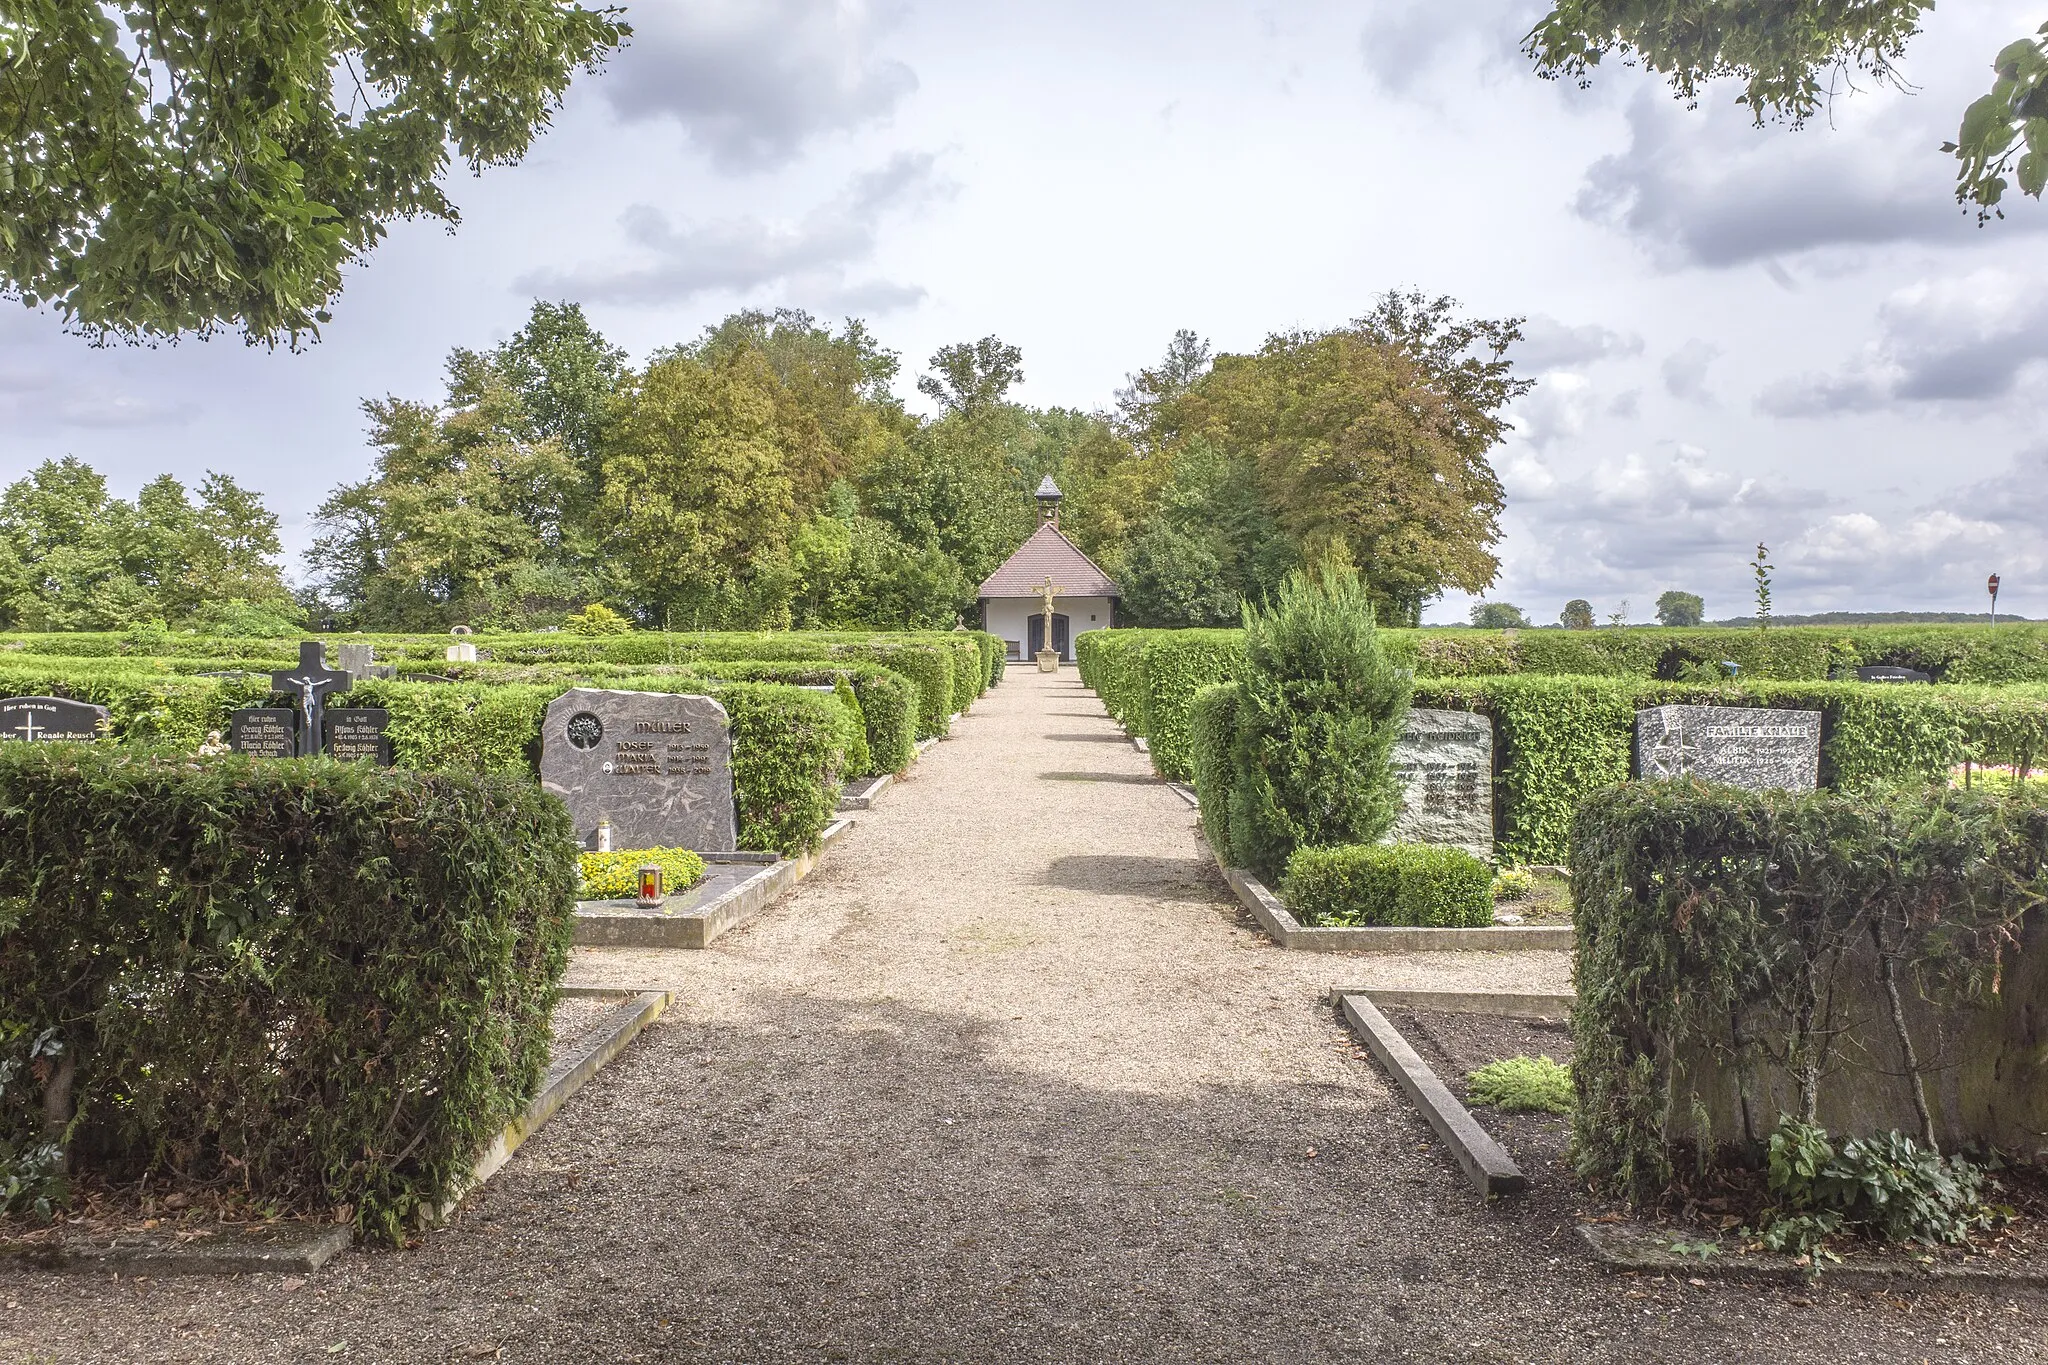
(1500,1004)
(865,796)
(700,926)
(1623,1247)
(1486,1164)
(1287,931)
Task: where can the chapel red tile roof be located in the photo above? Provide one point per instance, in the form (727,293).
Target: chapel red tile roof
(1048,554)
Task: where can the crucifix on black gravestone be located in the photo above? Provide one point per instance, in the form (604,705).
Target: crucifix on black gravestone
(310,682)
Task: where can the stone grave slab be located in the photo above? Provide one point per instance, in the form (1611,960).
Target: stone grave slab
(45,719)
(1740,746)
(355,734)
(657,765)
(1886,673)
(264,731)
(1444,760)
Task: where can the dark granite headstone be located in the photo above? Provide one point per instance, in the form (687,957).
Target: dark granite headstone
(1445,762)
(310,682)
(355,734)
(264,731)
(1740,746)
(41,719)
(1885,673)
(657,765)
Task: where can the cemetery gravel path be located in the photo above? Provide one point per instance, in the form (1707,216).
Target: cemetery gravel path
(1009,1078)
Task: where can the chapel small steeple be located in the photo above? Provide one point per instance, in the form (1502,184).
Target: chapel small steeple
(1048,496)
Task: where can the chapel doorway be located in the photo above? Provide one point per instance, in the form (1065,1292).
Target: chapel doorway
(1037,633)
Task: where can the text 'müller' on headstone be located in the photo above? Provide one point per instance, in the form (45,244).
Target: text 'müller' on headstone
(657,765)
(1739,746)
(1444,760)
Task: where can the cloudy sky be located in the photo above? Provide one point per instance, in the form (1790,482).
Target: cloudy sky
(1739,335)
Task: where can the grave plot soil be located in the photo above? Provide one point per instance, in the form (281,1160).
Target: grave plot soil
(1006,1079)
(1710,1208)
(1549,902)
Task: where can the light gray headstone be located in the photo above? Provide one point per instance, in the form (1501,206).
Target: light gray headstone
(1444,760)
(357,659)
(1740,746)
(655,764)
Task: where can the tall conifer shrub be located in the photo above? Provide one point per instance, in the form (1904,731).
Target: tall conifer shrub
(1319,708)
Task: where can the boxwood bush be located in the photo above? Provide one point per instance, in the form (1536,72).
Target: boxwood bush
(1425,885)
(887,699)
(325,984)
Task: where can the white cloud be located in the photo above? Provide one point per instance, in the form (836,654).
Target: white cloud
(1685,371)
(1964,340)
(753,81)
(1703,187)
(1548,344)
(808,259)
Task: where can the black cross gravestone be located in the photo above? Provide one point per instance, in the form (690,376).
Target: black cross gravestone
(264,731)
(355,734)
(40,719)
(310,683)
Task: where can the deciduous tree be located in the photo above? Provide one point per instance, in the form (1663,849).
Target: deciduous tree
(177,167)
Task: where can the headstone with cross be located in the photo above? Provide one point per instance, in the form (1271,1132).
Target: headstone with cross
(42,719)
(309,684)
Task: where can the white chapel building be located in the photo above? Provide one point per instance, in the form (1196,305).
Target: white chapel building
(1011,604)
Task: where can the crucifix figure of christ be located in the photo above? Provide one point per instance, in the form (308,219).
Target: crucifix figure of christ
(310,682)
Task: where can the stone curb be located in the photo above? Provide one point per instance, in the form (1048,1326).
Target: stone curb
(863,798)
(293,1249)
(1621,1247)
(303,1248)
(1490,1169)
(1138,743)
(564,1079)
(1504,1004)
(1185,793)
(700,926)
(1287,931)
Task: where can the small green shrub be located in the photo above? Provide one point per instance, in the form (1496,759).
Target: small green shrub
(1886,1187)
(597,619)
(1523,1085)
(616,875)
(1418,885)
(1319,707)
(1513,884)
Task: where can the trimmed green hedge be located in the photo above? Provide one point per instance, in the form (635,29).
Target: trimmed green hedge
(789,746)
(887,699)
(1212,731)
(326,984)
(1424,885)
(1172,666)
(1873,959)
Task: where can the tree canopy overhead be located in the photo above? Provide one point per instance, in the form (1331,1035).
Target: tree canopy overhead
(182,167)
(1791,55)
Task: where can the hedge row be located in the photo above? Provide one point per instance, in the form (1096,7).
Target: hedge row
(324,984)
(887,701)
(789,745)
(1874,960)
(1557,740)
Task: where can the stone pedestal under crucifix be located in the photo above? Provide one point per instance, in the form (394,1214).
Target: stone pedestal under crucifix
(1048,657)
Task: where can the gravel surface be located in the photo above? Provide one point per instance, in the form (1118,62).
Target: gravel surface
(1008,1078)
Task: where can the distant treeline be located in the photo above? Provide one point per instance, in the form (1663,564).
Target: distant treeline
(1878,618)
